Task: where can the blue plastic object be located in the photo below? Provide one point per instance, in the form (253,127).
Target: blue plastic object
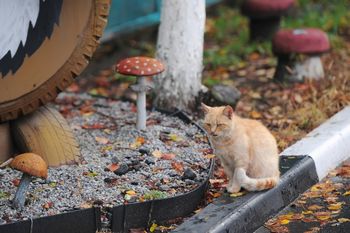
(130,15)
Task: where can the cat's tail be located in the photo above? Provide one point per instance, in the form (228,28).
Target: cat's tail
(255,184)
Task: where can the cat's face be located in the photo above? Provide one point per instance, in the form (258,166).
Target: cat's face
(217,121)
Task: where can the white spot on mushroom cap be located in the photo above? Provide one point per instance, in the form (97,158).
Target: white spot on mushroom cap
(299,32)
(128,61)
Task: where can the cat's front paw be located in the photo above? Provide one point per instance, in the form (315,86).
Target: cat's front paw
(233,188)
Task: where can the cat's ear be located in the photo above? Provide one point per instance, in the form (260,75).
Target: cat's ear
(228,111)
(205,108)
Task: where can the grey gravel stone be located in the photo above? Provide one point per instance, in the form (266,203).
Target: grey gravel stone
(123,169)
(189,174)
(115,159)
(224,94)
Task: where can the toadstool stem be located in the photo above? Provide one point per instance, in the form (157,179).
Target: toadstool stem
(263,29)
(141,105)
(296,71)
(19,199)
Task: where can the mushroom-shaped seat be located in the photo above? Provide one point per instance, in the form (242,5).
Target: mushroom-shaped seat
(311,42)
(140,67)
(265,16)
(31,165)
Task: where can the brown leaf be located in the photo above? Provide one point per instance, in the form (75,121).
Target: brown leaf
(177,166)
(93,126)
(169,156)
(48,205)
(112,167)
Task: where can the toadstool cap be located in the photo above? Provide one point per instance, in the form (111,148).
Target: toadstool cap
(266,8)
(305,41)
(30,163)
(139,66)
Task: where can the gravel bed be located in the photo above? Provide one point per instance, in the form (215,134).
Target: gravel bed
(169,158)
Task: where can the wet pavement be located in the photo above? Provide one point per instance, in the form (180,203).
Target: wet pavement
(325,207)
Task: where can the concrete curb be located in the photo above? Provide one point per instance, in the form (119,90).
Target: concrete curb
(302,165)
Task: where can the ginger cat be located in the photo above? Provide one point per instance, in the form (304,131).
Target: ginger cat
(246,149)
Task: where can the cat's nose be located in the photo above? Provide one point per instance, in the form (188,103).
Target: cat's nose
(213,134)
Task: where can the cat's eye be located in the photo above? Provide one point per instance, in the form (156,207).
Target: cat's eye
(206,124)
(219,125)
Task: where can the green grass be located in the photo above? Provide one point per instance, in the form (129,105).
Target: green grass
(227,36)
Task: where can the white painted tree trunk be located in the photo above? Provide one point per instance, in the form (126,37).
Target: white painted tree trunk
(180,48)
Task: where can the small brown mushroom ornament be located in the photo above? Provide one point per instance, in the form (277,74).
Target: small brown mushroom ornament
(31,165)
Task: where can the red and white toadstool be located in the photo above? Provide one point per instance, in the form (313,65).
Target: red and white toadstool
(265,16)
(140,67)
(288,43)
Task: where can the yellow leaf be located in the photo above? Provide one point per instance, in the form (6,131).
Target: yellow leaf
(209,156)
(307,212)
(284,221)
(347,193)
(131,192)
(157,153)
(336,206)
(237,194)
(175,137)
(323,217)
(153,227)
(255,114)
(139,141)
(342,220)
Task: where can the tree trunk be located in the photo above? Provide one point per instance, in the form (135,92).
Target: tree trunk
(180,48)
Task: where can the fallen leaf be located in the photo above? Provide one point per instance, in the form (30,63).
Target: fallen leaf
(112,167)
(342,220)
(322,215)
(347,193)
(157,154)
(93,126)
(177,166)
(48,205)
(284,221)
(209,156)
(168,156)
(298,98)
(307,212)
(131,192)
(139,141)
(216,195)
(255,115)
(102,140)
(238,194)
(336,206)
(175,137)
(153,227)
(314,207)
(16,182)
